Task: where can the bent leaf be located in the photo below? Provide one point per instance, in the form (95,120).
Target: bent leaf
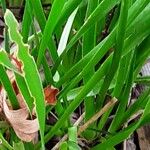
(25,129)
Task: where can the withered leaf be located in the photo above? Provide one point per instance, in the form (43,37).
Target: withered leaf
(24,128)
(50,95)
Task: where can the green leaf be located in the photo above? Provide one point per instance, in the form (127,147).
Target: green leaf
(64,146)
(8,87)
(18,146)
(5,61)
(5,143)
(49,27)
(72,133)
(27,19)
(68,8)
(73,146)
(25,92)
(120,38)
(66,32)
(103,8)
(29,71)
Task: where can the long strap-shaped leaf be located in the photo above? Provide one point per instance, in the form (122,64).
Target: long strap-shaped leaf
(8,87)
(49,27)
(29,71)
(120,38)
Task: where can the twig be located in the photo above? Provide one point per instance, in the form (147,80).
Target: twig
(135,115)
(97,115)
(79,119)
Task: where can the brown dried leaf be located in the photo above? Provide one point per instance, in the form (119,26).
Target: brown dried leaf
(24,128)
(50,95)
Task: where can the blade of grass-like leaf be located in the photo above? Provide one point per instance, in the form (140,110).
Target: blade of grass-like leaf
(77,67)
(65,36)
(66,32)
(25,91)
(74,105)
(93,57)
(78,78)
(136,8)
(116,139)
(70,109)
(30,71)
(40,16)
(123,97)
(120,37)
(8,87)
(49,27)
(68,8)
(138,105)
(145,113)
(3,3)
(26,23)
(138,30)
(39,13)
(120,81)
(135,38)
(5,143)
(74,92)
(47,72)
(89,42)
(45,65)
(122,75)
(143,51)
